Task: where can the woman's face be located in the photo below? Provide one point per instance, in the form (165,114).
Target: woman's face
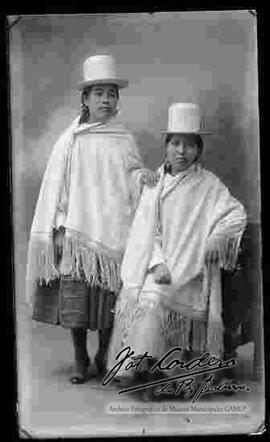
(102,102)
(182,151)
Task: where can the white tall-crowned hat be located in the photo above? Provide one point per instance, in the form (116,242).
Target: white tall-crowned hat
(101,69)
(184,118)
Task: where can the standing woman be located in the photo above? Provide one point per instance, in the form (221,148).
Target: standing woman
(82,217)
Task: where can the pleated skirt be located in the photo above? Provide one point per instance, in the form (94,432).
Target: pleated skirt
(73,303)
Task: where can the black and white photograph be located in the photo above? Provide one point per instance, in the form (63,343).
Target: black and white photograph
(136,196)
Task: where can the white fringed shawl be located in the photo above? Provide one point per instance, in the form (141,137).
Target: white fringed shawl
(97,166)
(198,215)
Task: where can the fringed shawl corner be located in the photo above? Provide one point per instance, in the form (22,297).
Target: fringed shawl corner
(189,331)
(97,268)
(40,263)
(196,330)
(224,251)
(78,260)
(196,334)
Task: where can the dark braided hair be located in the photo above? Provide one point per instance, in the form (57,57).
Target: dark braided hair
(85,112)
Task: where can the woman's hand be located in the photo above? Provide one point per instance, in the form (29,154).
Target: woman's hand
(149,177)
(162,274)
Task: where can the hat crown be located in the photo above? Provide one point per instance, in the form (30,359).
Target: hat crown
(184,118)
(99,67)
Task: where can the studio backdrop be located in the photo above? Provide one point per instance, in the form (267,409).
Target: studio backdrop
(208,58)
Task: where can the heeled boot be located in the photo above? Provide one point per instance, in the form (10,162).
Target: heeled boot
(82,360)
(100,358)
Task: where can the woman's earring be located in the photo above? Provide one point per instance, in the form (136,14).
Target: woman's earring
(198,162)
(118,109)
(167,166)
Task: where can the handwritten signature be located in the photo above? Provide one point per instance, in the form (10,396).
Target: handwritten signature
(194,391)
(182,382)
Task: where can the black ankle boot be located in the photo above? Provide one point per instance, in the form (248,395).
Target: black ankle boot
(100,359)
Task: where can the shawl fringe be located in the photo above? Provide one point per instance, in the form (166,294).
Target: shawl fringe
(215,334)
(94,266)
(225,251)
(177,332)
(40,265)
(125,313)
(77,260)
(196,335)
(192,332)
(41,260)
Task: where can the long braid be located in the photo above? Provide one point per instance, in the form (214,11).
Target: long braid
(85,113)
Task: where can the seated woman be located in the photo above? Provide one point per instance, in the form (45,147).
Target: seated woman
(185,229)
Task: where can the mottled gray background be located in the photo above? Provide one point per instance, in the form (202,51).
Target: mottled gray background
(204,57)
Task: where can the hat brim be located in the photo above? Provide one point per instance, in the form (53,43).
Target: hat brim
(120,83)
(198,132)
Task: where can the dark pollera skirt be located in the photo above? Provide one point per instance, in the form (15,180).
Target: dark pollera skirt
(73,303)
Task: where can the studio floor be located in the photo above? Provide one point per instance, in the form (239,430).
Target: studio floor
(49,406)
